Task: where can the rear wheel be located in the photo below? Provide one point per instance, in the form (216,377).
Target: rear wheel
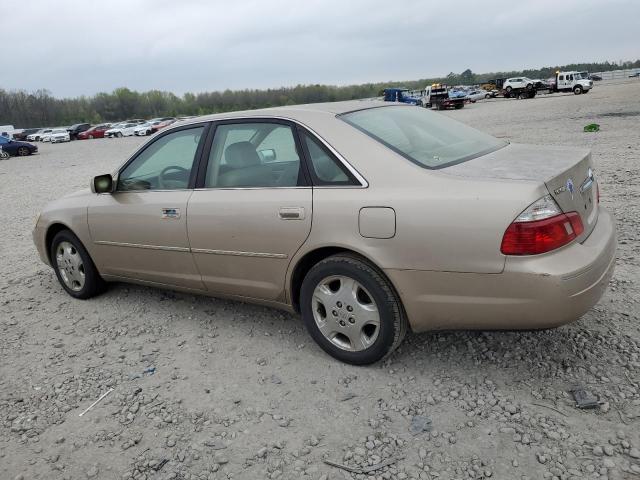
(23,151)
(119,134)
(351,310)
(73,266)
(577,90)
(487,95)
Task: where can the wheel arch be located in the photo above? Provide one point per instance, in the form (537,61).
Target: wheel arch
(52,231)
(312,257)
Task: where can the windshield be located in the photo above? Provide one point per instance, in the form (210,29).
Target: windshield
(430,139)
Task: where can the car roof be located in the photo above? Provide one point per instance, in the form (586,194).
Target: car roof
(297,112)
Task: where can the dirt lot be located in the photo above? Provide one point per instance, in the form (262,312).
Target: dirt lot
(241,391)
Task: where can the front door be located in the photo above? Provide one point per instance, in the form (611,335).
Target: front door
(253,211)
(140,230)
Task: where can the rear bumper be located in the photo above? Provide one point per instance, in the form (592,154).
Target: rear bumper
(537,291)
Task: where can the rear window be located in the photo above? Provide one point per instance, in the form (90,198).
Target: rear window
(430,139)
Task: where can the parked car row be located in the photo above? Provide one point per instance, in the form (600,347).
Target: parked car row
(87,131)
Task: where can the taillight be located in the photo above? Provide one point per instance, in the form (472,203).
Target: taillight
(542,227)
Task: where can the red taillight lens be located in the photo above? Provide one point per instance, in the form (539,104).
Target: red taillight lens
(540,236)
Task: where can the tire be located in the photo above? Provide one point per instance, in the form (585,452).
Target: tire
(529,86)
(352,279)
(577,90)
(23,152)
(487,96)
(74,268)
(508,89)
(119,134)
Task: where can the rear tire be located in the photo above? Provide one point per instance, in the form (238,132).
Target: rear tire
(74,268)
(119,134)
(365,323)
(23,151)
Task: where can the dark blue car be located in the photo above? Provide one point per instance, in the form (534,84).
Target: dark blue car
(13,147)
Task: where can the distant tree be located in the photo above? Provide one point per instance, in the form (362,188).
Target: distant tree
(39,108)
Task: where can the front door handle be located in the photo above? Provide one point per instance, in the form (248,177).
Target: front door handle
(170,213)
(291,213)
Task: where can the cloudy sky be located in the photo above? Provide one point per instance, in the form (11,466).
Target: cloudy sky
(82,47)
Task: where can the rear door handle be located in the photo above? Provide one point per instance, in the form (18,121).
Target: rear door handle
(291,213)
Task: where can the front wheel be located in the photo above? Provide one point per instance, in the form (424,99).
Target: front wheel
(351,310)
(73,266)
(577,90)
(508,89)
(23,151)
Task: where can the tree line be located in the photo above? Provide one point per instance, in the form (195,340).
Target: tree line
(39,108)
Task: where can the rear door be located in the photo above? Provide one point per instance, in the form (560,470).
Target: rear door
(252,210)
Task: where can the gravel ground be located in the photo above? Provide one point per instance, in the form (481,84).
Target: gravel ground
(212,389)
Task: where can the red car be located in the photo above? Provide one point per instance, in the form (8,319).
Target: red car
(161,125)
(94,132)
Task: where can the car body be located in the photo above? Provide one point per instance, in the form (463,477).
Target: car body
(517,82)
(406,217)
(121,130)
(146,128)
(635,75)
(59,136)
(479,94)
(17,148)
(37,136)
(76,129)
(22,136)
(96,131)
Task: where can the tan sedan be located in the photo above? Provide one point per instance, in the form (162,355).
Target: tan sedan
(365,217)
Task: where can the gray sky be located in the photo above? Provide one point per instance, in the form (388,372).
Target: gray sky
(82,47)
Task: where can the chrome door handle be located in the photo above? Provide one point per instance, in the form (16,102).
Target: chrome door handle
(170,213)
(291,213)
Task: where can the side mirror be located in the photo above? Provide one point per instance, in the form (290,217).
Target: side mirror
(102,184)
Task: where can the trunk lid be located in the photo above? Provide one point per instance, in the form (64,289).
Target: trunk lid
(567,173)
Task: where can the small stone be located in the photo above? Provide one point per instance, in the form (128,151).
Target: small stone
(541,458)
(634,453)
(608,450)
(608,463)
(92,472)
(597,450)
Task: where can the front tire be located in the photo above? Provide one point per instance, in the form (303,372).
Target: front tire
(23,152)
(74,268)
(351,310)
(577,90)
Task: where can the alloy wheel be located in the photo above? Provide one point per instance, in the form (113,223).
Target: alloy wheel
(70,266)
(345,313)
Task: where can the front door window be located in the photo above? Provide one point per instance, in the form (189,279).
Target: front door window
(165,164)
